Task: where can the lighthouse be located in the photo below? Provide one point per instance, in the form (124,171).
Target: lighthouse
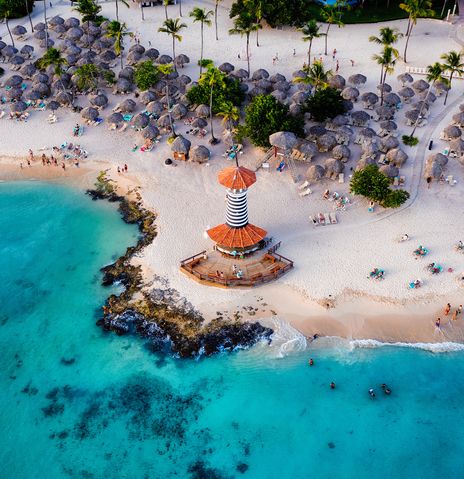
(237,235)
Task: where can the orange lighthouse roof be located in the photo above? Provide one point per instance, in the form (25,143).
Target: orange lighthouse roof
(225,235)
(236,178)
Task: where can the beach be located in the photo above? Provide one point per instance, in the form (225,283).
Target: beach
(332,263)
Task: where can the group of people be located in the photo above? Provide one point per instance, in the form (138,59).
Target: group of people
(48,160)
(237,271)
(447,311)
(123,169)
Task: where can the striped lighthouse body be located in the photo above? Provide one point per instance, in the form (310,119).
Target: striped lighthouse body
(237,208)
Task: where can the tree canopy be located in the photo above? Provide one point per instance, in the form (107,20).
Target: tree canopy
(324,104)
(145,75)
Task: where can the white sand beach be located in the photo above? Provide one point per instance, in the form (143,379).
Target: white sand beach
(332,262)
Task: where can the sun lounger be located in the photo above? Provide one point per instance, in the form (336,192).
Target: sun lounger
(450,180)
(304,185)
(305,192)
(123,127)
(333,218)
(2,114)
(402,180)
(341,178)
(396,181)
(327,219)
(128,117)
(321,219)
(314,221)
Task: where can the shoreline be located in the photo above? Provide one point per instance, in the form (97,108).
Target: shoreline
(352,315)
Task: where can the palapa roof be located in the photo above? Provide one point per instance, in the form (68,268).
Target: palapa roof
(225,235)
(236,178)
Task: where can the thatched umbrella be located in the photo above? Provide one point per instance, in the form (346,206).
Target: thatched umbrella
(365,135)
(405,78)
(452,132)
(438,158)
(406,93)
(299,74)
(18,107)
(148,96)
(181,145)
(357,79)
(199,123)
(306,87)
(391,99)
(123,86)
(360,118)
(14,80)
(277,77)
(56,20)
(152,53)
(422,106)
(140,121)
(333,168)
(244,87)
(433,170)
(364,161)
(164,59)
(181,60)
(150,132)
(343,135)
(14,93)
(341,152)
(107,56)
(53,105)
(390,171)
(2,44)
(388,143)
(127,73)
(260,74)
(18,30)
(9,51)
(226,67)
(282,86)
(133,58)
(99,100)
(155,108)
(326,142)
(115,118)
(179,111)
(315,131)
(184,80)
(64,98)
(284,140)
(39,27)
(128,105)
(397,157)
(200,154)
(456,146)
(294,109)
(307,149)
(202,111)
(72,22)
(46,44)
(369,150)
(279,95)
(350,93)
(337,81)
(299,97)
(241,74)
(420,85)
(71,59)
(164,121)
(385,88)
(336,122)
(137,48)
(266,85)
(89,113)
(384,112)
(28,70)
(458,118)
(412,116)
(256,91)
(369,99)
(315,172)
(17,60)
(33,95)
(27,50)
(429,97)
(74,33)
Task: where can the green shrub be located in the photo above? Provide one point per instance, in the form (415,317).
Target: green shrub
(145,75)
(395,198)
(231,92)
(16,8)
(410,140)
(324,104)
(264,116)
(205,63)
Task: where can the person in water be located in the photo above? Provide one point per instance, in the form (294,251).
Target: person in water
(386,389)
(311,362)
(332,385)
(371,393)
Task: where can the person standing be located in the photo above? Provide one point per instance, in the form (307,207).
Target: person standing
(334,53)
(447,309)
(459,310)
(437,323)
(337,66)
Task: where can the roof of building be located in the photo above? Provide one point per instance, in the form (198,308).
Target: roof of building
(236,178)
(244,237)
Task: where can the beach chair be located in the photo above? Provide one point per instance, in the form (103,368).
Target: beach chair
(304,185)
(305,192)
(341,178)
(396,181)
(333,218)
(2,114)
(321,219)
(123,127)
(450,180)
(314,221)
(402,180)
(327,219)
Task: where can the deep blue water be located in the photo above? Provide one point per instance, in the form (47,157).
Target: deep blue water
(78,403)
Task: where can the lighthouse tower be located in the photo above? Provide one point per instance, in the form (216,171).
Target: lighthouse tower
(237,235)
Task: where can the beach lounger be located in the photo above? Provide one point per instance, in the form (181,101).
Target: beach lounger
(396,181)
(304,185)
(321,219)
(2,114)
(128,117)
(450,180)
(305,192)
(341,178)
(327,219)
(123,127)
(402,180)
(314,221)
(333,218)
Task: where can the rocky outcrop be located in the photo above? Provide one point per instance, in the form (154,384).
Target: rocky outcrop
(167,321)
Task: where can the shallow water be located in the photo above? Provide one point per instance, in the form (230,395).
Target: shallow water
(79,403)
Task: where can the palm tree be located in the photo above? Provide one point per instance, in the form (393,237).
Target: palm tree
(117,7)
(118,31)
(88,9)
(415,9)
(53,58)
(166,70)
(310,31)
(434,74)
(453,65)
(201,15)
(29,15)
(213,78)
(166,4)
(45,22)
(387,37)
(331,15)
(5,14)
(316,75)
(173,27)
(258,10)
(244,25)
(87,77)
(216,5)
(386,60)
(230,114)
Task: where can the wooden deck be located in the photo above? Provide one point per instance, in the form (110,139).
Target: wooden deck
(217,269)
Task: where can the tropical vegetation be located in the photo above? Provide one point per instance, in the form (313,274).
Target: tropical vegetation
(201,16)
(325,104)
(145,75)
(172,27)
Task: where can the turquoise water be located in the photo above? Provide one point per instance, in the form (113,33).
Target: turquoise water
(78,403)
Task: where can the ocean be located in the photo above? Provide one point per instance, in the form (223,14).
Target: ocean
(76,402)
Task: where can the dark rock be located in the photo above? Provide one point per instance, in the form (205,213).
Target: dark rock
(242,467)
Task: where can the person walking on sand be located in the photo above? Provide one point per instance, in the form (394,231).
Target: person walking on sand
(454,317)
(21,166)
(447,309)
(294,52)
(29,163)
(429,181)
(337,66)
(459,310)
(352,63)
(334,53)
(125,167)
(31,155)
(437,323)
(119,170)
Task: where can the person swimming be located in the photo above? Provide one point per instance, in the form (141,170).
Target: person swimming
(332,385)
(371,393)
(311,362)
(386,389)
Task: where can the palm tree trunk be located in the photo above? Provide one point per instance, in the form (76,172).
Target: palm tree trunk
(381,74)
(248,51)
(141,8)
(421,109)
(326,35)
(117,10)
(171,124)
(174,52)
(213,140)
(309,52)
(215,18)
(180,7)
(45,21)
(409,24)
(166,10)
(29,15)
(406,46)
(447,91)
(382,83)
(9,31)
(201,50)
(257,36)
(443,9)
